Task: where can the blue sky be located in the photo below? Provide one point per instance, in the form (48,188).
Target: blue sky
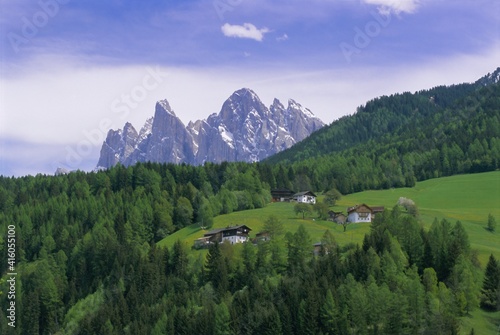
(70,70)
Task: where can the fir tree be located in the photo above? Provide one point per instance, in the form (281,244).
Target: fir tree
(492,223)
(329,314)
(222,320)
(491,285)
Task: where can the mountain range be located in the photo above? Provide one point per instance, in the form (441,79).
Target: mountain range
(244,130)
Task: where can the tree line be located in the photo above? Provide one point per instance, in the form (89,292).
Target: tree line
(397,140)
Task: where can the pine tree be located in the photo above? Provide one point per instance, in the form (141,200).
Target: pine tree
(465,284)
(182,322)
(299,247)
(271,325)
(217,271)
(179,260)
(491,285)
(305,326)
(492,223)
(329,314)
(222,320)
(273,226)
(31,313)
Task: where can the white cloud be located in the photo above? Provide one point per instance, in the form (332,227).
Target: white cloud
(247,30)
(282,38)
(387,7)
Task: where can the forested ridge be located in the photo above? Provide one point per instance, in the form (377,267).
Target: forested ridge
(396,140)
(87,260)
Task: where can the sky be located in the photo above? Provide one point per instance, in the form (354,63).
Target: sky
(71,70)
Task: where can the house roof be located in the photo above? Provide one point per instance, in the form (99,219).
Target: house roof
(377,209)
(280,191)
(304,193)
(204,238)
(358,208)
(220,230)
(214,231)
(335,213)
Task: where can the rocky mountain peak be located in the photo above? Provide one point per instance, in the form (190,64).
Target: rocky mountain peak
(244,130)
(239,106)
(244,94)
(165,106)
(277,105)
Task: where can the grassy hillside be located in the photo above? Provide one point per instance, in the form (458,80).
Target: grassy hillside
(255,220)
(468,198)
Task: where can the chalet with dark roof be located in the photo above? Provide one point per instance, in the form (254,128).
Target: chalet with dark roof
(281,194)
(359,213)
(232,234)
(363,213)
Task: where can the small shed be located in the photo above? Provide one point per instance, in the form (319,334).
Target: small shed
(263,236)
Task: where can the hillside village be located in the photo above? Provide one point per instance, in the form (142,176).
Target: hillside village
(361,213)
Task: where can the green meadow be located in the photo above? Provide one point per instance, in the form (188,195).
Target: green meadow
(255,220)
(468,198)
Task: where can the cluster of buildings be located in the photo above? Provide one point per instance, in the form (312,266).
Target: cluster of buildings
(232,234)
(239,234)
(285,195)
(356,214)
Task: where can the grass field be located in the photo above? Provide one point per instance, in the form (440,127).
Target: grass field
(468,198)
(255,220)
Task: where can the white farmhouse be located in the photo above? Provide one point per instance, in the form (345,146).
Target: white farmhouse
(234,234)
(306,197)
(359,213)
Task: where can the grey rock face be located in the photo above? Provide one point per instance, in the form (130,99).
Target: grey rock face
(244,130)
